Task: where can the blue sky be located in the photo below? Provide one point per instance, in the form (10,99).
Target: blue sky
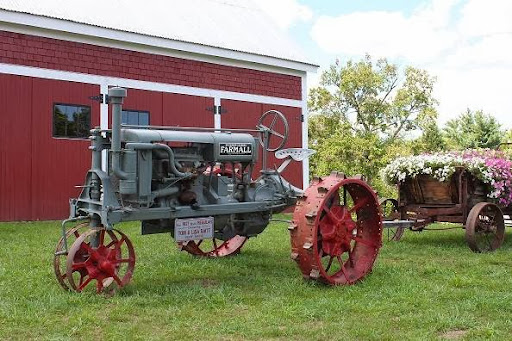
(465,44)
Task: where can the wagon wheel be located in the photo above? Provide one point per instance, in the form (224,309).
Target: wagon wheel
(59,263)
(390,211)
(485,227)
(336,230)
(268,122)
(110,263)
(215,247)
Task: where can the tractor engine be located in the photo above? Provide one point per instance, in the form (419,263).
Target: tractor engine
(209,169)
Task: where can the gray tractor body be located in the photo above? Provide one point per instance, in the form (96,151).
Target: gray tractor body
(159,175)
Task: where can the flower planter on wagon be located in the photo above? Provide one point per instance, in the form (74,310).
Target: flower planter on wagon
(470,188)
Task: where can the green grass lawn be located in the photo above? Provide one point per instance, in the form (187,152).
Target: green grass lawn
(427,286)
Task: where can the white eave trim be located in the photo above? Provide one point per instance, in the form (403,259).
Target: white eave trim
(84,33)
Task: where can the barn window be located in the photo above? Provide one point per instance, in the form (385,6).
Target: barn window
(71,121)
(135,117)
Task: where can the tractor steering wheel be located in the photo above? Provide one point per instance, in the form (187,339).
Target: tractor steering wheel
(267,124)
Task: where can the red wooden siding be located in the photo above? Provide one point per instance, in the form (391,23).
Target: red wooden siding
(187,111)
(39,172)
(22,49)
(15,148)
(246,114)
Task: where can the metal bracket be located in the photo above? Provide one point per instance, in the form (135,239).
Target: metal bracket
(103,99)
(217,110)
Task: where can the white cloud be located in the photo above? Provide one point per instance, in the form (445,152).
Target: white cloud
(419,37)
(484,17)
(466,44)
(285,13)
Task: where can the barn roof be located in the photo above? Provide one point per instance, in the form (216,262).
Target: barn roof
(230,25)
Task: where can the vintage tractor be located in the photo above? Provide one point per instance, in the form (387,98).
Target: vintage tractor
(196,184)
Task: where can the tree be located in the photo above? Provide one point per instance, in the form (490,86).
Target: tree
(374,98)
(473,129)
(344,150)
(432,139)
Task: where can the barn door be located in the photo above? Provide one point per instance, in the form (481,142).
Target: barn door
(239,114)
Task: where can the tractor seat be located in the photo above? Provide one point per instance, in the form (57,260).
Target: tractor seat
(298,154)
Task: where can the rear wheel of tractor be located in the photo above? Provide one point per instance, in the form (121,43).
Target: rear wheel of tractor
(336,232)
(103,256)
(485,227)
(390,212)
(215,247)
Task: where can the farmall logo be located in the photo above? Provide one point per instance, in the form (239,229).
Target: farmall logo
(235,149)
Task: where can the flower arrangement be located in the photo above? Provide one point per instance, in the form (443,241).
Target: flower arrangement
(490,166)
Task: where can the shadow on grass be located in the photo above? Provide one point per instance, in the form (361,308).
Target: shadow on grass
(435,238)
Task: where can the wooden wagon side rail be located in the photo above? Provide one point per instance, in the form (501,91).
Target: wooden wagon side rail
(444,213)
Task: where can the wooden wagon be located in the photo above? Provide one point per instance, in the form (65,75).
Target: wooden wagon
(463,199)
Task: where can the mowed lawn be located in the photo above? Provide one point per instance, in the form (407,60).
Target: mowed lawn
(427,286)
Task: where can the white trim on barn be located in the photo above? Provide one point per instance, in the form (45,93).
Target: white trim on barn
(217,123)
(305,134)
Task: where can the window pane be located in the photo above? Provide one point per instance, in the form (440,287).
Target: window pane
(144,118)
(134,117)
(73,121)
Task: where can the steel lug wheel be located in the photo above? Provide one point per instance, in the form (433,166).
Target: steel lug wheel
(336,230)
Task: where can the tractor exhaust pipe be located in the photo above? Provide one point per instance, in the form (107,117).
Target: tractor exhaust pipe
(116,97)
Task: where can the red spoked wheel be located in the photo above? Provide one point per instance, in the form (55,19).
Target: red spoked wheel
(336,230)
(104,256)
(59,262)
(215,247)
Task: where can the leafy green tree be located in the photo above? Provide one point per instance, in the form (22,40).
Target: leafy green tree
(374,98)
(473,129)
(346,151)
(432,139)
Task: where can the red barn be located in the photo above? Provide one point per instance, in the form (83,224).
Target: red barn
(58,60)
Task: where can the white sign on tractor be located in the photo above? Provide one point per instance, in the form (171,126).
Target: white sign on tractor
(193,229)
